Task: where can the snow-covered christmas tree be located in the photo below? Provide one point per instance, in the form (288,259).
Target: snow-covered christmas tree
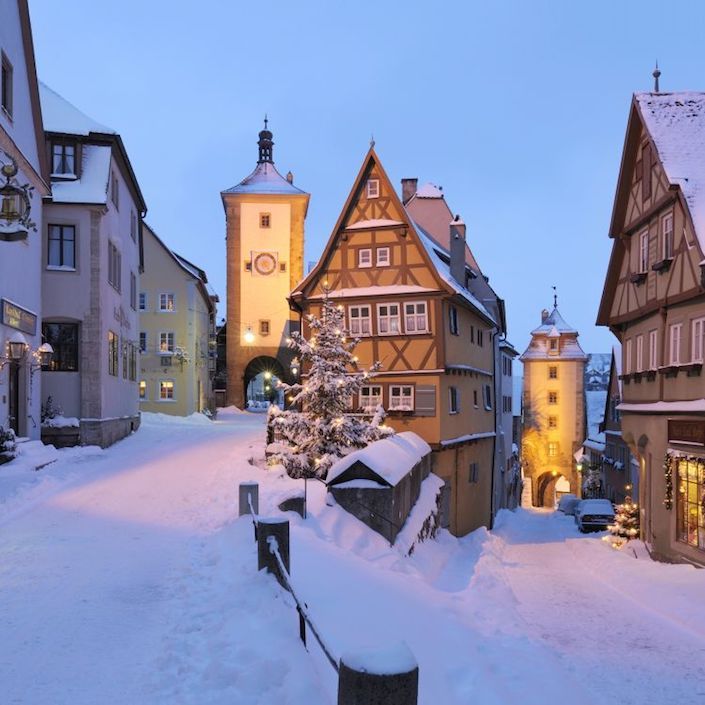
(592,484)
(319,428)
(626,522)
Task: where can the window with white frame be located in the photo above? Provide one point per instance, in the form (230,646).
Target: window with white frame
(388,319)
(675,346)
(166,390)
(373,188)
(640,353)
(401,397)
(364,257)
(114,266)
(61,250)
(628,357)
(143,389)
(359,320)
(370,397)
(698,330)
(166,343)
(653,351)
(143,301)
(453,400)
(453,320)
(63,158)
(167,303)
(487,396)
(667,231)
(383,258)
(644,252)
(416,317)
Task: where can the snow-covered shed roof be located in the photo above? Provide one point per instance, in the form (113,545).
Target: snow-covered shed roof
(554,320)
(61,116)
(676,123)
(265,179)
(390,458)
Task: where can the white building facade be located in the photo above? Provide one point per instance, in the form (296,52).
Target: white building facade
(21,148)
(91,264)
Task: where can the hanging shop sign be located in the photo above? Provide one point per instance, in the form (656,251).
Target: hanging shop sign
(691,433)
(15,316)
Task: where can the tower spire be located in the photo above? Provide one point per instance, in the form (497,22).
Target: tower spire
(555,298)
(265,144)
(656,74)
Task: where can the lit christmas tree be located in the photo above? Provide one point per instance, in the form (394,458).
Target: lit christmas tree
(626,522)
(320,428)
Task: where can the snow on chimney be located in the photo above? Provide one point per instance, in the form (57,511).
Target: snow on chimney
(408,189)
(457,250)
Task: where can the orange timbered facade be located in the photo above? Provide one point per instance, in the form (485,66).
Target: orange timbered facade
(433,338)
(654,302)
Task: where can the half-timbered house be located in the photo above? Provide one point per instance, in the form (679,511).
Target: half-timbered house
(406,297)
(654,302)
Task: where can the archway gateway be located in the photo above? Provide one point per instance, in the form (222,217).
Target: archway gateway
(550,485)
(260,380)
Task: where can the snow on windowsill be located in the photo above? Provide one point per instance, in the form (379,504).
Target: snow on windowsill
(60,268)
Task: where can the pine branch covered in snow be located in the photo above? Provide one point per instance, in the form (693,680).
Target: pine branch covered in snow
(320,428)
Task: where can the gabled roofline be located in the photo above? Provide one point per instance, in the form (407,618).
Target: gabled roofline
(302,289)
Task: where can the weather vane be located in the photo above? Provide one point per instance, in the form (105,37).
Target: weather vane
(555,297)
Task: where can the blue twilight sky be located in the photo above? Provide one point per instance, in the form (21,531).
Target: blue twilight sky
(518,109)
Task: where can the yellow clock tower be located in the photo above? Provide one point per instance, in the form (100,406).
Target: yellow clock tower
(265,216)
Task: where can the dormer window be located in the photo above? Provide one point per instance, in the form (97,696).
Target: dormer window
(373,188)
(63,159)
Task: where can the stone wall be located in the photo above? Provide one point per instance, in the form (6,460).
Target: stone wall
(105,432)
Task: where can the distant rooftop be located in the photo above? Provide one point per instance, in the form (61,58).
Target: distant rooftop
(554,324)
(265,179)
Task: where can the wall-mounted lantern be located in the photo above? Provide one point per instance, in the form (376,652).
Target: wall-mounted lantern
(15,206)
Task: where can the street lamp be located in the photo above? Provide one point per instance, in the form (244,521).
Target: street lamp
(249,336)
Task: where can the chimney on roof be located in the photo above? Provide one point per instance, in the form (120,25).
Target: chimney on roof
(457,250)
(290,177)
(544,315)
(408,189)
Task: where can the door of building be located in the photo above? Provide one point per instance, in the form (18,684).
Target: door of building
(14,397)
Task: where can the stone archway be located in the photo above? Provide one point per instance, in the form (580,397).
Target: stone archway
(263,365)
(547,485)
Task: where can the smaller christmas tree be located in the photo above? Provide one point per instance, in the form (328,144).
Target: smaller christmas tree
(320,428)
(626,522)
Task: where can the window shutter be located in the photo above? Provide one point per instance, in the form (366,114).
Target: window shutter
(425,400)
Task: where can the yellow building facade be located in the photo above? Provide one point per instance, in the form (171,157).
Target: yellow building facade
(177,332)
(554,408)
(265,216)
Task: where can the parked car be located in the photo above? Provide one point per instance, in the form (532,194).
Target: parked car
(567,503)
(594,514)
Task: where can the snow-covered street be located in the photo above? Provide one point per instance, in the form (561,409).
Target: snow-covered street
(126,577)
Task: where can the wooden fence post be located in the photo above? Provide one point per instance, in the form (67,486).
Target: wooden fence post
(388,676)
(268,531)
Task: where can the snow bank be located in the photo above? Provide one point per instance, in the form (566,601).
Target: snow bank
(421,522)
(61,422)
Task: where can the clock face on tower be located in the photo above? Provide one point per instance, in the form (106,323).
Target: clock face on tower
(265,263)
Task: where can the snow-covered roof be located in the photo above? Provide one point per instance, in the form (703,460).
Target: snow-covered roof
(552,324)
(666,407)
(265,179)
(436,254)
(676,123)
(92,187)
(391,458)
(59,115)
(429,190)
(191,268)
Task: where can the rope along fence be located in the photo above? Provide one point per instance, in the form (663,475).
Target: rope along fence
(387,676)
